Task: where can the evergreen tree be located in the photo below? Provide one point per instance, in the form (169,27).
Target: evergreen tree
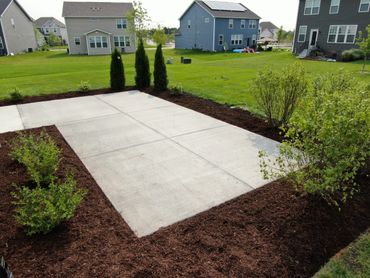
(160,71)
(117,72)
(142,78)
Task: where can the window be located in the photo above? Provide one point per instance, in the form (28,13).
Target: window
(220,39)
(242,24)
(334,7)
(206,20)
(252,24)
(119,41)
(98,42)
(302,33)
(231,23)
(342,34)
(1,43)
(364,6)
(236,39)
(254,39)
(312,7)
(121,23)
(127,41)
(189,24)
(77,40)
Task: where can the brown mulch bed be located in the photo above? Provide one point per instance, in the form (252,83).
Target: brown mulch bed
(270,232)
(234,116)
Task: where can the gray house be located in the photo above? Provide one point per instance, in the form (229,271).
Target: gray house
(268,30)
(216,26)
(97,28)
(17,32)
(51,25)
(330,25)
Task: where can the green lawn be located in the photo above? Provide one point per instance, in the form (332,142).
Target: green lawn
(223,77)
(354,262)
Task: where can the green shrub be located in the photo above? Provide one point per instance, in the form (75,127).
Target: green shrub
(84,87)
(352,55)
(117,72)
(41,209)
(142,78)
(278,93)
(40,155)
(177,90)
(328,140)
(16,95)
(160,71)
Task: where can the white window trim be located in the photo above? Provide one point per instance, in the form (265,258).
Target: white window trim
(362,2)
(122,22)
(242,24)
(231,23)
(238,39)
(96,42)
(252,26)
(219,39)
(189,24)
(331,5)
(79,39)
(119,41)
(299,33)
(337,34)
(305,7)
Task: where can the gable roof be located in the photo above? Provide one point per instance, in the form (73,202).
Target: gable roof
(268,25)
(246,14)
(43,20)
(4,4)
(96,9)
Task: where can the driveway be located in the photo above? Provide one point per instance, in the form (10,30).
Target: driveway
(157,162)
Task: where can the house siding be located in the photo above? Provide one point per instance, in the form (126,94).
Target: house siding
(3,51)
(78,27)
(21,36)
(60,31)
(200,35)
(348,15)
(222,28)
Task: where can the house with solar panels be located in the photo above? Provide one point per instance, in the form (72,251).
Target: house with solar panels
(216,26)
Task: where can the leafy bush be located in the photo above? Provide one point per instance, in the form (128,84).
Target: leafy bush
(142,78)
(352,55)
(160,71)
(41,209)
(117,72)
(176,90)
(260,48)
(40,155)
(328,140)
(278,93)
(84,87)
(16,95)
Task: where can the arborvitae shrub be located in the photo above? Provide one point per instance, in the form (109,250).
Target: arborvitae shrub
(142,78)
(117,73)
(160,71)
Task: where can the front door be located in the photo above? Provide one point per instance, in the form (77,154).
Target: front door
(313,37)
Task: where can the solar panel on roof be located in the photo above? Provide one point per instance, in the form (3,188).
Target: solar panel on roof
(224,6)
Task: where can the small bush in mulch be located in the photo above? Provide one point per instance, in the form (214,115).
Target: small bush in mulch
(16,96)
(39,155)
(84,87)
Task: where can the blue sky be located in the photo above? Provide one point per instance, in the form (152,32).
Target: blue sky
(167,12)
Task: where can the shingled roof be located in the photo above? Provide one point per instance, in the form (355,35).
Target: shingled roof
(42,20)
(268,25)
(247,14)
(96,9)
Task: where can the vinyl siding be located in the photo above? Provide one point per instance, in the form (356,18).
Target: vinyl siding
(77,27)
(21,36)
(348,15)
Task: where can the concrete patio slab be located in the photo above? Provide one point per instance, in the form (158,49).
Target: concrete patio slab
(233,149)
(174,120)
(132,101)
(10,119)
(157,184)
(106,134)
(63,111)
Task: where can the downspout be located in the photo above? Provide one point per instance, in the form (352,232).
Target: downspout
(214,33)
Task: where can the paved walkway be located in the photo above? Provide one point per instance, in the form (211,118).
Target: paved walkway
(157,162)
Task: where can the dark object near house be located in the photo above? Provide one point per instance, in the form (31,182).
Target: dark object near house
(331,26)
(185,60)
(4,269)
(30,50)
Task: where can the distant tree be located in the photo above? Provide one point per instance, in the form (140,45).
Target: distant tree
(160,71)
(280,34)
(363,42)
(54,40)
(138,20)
(117,72)
(159,36)
(142,78)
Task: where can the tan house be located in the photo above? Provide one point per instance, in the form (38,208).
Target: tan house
(96,28)
(268,30)
(17,33)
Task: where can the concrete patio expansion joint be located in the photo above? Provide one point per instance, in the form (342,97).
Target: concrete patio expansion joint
(20,115)
(178,144)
